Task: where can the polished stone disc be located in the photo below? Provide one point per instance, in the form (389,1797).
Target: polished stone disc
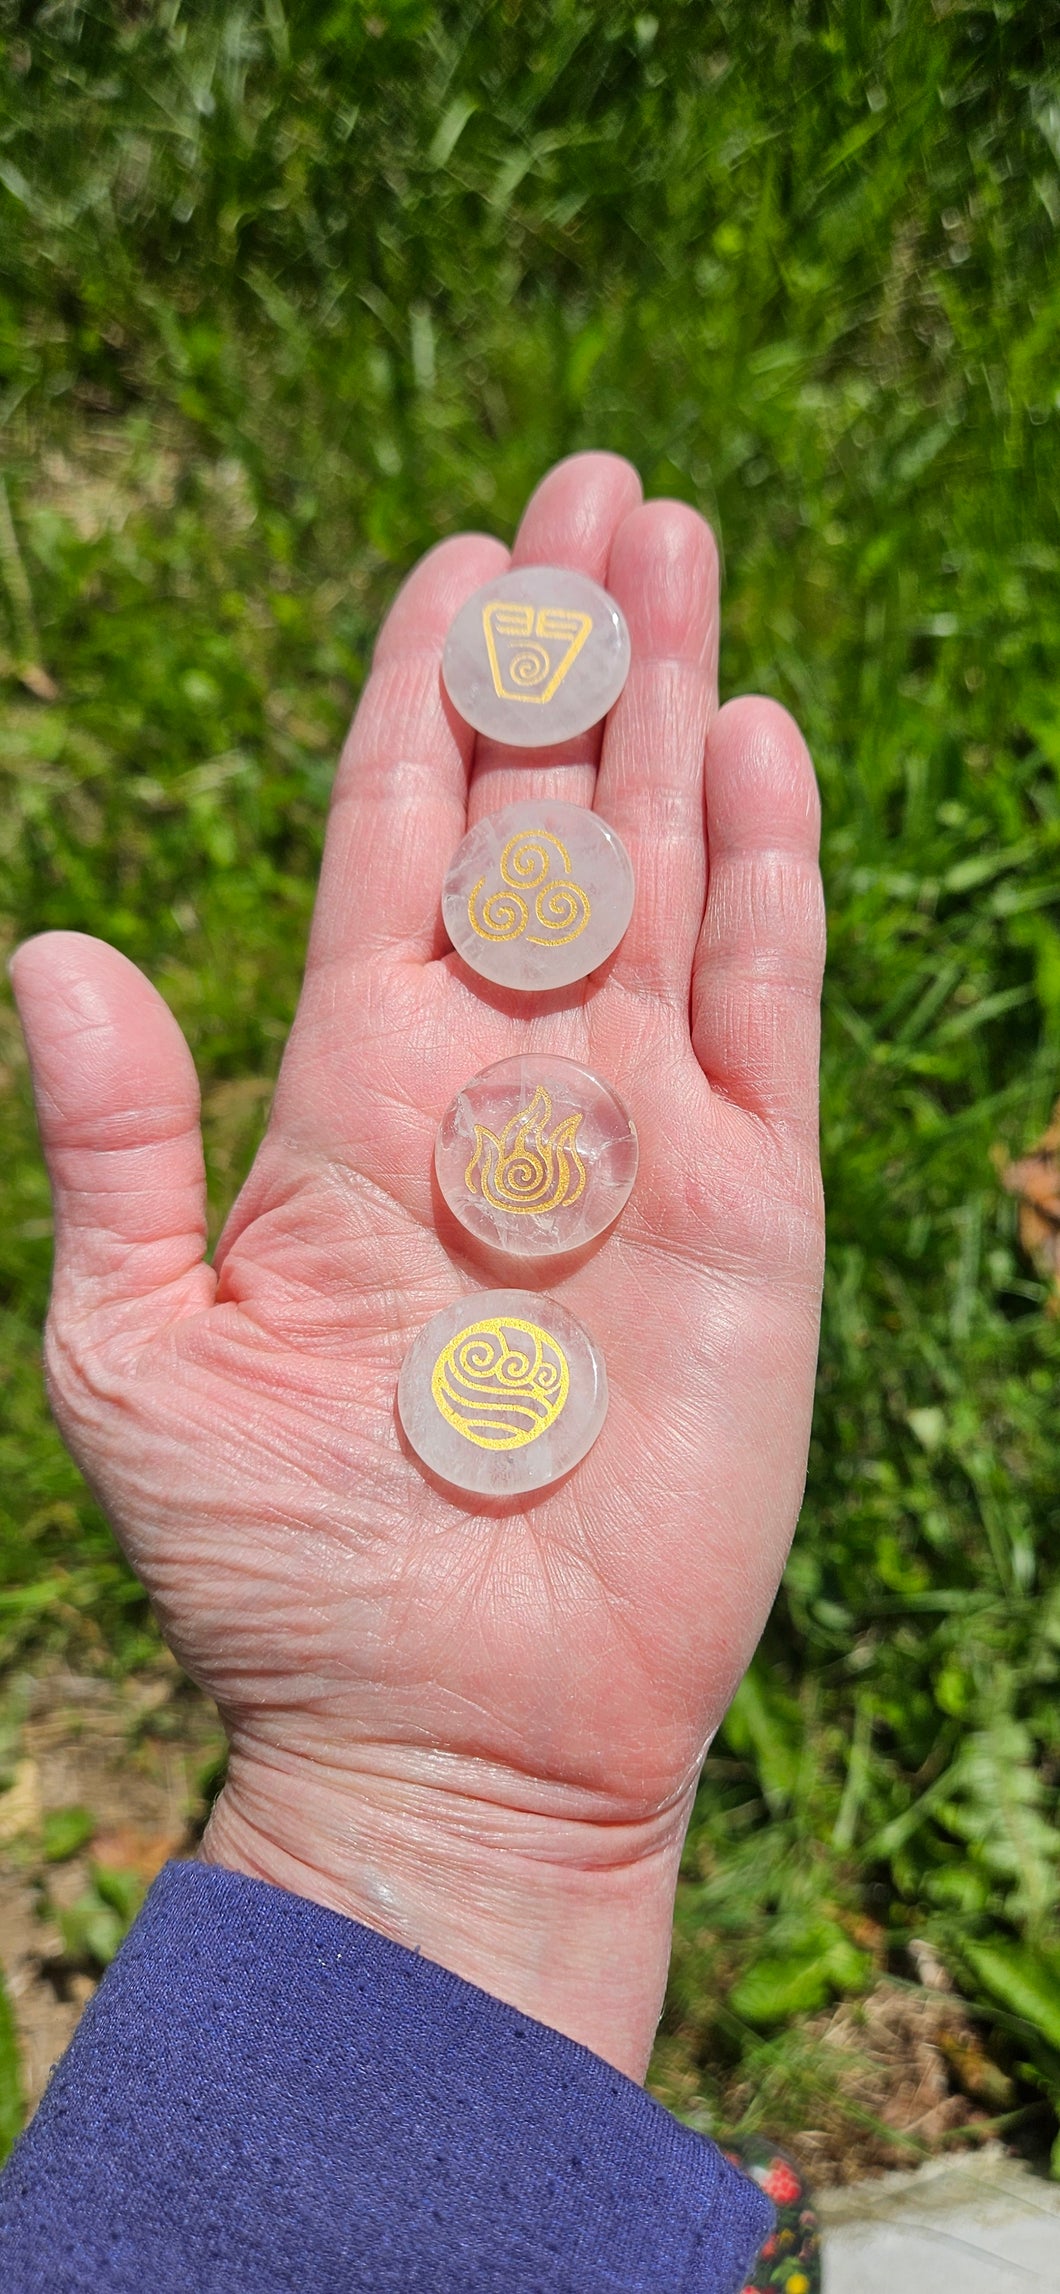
(536,656)
(502,1393)
(536,1155)
(538,895)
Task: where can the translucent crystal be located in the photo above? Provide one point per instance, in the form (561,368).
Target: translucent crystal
(536,1155)
(538,895)
(536,656)
(502,1393)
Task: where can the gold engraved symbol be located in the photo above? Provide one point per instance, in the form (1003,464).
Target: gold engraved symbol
(530,653)
(528,1168)
(501,1383)
(528,864)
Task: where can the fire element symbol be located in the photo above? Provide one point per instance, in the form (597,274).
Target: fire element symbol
(528,1168)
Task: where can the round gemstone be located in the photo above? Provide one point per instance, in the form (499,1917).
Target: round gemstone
(538,895)
(536,656)
(535,1156)
(502,1393)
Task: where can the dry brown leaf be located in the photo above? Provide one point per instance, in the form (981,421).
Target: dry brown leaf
(910,2062)
(1035,1182)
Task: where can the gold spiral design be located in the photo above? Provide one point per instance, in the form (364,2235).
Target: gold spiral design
(527,1168)
(501,1383)
(562,911)
(501,916)
(530,666)
(527,859)
(528,863)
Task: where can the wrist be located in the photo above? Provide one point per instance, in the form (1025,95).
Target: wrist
(564,1917)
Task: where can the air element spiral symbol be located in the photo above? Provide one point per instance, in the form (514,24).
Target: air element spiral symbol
(528,1168)
(501,1384)
(533,862)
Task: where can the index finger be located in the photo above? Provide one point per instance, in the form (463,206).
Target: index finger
(399,802)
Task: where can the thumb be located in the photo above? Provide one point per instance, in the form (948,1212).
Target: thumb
(118,1107)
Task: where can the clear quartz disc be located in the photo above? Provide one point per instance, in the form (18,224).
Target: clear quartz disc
(539,895)
(502,1393)
(536,1156)
(536,656)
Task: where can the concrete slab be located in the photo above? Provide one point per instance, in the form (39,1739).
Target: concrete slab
(980,2224)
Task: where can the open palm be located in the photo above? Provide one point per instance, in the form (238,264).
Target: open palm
(415,1685)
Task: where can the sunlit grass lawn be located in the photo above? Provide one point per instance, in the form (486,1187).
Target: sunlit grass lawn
(283,301)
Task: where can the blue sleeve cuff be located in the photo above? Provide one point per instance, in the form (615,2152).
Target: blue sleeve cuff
(265,2097)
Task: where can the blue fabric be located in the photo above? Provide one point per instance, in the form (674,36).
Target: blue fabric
(266,2098)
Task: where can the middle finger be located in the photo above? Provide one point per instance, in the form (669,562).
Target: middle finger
(571,521)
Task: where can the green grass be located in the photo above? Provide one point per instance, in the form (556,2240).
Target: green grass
(283,297)
(11,2100)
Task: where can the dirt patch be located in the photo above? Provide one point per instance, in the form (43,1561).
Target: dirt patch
(131,1756)
(877,2083)
(911,2079)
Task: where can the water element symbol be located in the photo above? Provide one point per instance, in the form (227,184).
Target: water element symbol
(501,1393)
(501,1383)
(528,864)
(530,653)
(528,1168)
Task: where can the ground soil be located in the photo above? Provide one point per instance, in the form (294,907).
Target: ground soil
(911,2079)
(133,1754)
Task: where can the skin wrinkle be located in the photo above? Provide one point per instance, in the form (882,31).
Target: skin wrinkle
(145,1262)
(524,1907)
(345,1178)
(652,976)
(676,665)
(377,785)
(120,1131)
(671,698)
(294,1212)
(458,1767)
(482,1788)
(763,902)
(109,1182)
(761,1057)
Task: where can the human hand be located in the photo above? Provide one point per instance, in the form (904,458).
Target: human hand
(479,1732)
